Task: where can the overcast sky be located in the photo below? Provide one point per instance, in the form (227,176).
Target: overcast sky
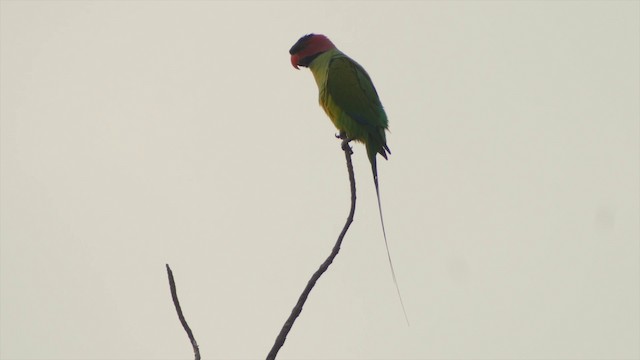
(135,134)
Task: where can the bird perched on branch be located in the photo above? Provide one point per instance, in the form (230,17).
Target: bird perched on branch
(351,101)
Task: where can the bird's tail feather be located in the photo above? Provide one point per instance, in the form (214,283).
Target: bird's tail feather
(374,169)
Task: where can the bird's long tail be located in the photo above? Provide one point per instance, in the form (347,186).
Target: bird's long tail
(374,168)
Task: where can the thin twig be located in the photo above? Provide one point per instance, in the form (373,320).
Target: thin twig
(183,321)
(325,265)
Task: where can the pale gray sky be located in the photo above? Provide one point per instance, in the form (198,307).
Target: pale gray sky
(135,134)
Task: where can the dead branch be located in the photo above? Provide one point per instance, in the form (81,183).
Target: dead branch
(297,309)
(183,321)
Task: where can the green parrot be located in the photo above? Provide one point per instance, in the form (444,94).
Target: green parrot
(351,101)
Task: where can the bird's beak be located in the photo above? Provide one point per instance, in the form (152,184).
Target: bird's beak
(294,61)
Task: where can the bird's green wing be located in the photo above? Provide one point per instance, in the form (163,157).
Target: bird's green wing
(351,89)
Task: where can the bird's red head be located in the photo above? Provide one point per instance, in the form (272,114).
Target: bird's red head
(308,48)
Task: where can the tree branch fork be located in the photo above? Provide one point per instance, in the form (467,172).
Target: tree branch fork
(297,309)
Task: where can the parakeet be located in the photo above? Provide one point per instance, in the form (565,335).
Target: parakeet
(349,98)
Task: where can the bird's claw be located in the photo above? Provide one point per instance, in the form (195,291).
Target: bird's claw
(345,141)
(346,147)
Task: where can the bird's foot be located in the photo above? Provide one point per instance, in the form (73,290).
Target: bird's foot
(345,141)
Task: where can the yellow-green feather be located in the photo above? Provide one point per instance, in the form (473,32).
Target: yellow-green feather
(349,98)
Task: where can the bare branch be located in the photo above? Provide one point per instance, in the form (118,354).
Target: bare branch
(183,321)
(325,265)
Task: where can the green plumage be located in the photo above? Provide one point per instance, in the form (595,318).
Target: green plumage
(350,100)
